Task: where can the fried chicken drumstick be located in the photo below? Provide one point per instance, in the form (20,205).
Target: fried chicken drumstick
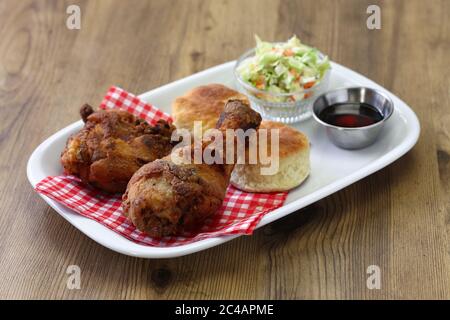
(112,146)
(164,198)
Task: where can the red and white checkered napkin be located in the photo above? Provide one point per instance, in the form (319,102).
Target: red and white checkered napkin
(240,212)
(117,98)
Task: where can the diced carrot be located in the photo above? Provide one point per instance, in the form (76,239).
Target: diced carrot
(308,85)
(307,95)
(288,53)
(260,82)
(294,73)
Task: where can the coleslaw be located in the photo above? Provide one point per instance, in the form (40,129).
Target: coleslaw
(283,68)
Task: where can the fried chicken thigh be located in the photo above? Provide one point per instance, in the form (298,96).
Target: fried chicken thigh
(166,198)
(112,146)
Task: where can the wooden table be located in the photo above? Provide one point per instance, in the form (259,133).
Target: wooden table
(397,218)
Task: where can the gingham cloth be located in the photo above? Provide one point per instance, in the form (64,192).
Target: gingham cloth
(240,212)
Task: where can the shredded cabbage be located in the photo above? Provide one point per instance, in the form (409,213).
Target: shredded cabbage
(288,67)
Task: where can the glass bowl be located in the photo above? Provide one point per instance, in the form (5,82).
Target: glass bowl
(286,112)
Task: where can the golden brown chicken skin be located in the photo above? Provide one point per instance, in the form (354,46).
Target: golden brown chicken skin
(164,198)
(112,146)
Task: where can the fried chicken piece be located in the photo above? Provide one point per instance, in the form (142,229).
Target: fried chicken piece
(112,146)
(166,198)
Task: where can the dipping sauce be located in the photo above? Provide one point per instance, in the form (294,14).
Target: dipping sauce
(351,115)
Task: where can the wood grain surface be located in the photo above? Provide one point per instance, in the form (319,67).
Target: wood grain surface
(397,218)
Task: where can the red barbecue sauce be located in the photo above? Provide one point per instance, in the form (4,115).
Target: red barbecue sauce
(351,115)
